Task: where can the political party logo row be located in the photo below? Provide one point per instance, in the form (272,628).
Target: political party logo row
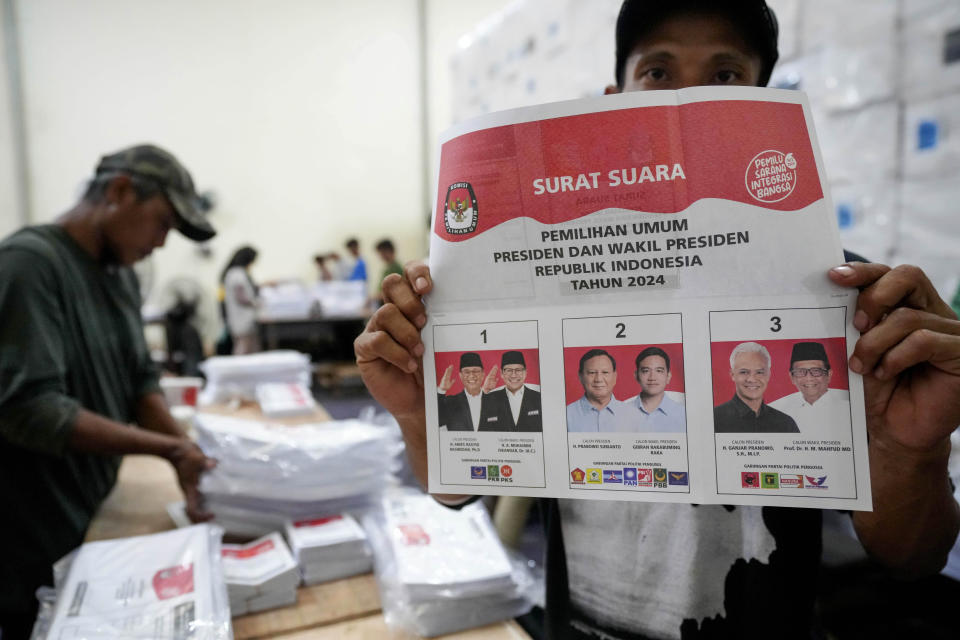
(774,480)
(630,477)
(492,472)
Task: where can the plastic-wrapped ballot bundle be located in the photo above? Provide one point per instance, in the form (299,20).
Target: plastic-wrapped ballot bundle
(329,548)
(260,575)
(230,377)
(268,473)
(285,400)
(163,586)
(441,570)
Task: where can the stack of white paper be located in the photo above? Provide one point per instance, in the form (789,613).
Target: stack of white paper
(260,575)
(165,586)
(284,400)
(441,570)
(286,301)
(329,548)
(268,473)
(230,377)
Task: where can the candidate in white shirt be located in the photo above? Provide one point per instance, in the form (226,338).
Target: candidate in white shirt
(652,410)
(818,410)
(516,405)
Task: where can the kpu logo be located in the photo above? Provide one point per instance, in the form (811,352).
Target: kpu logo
(460,209)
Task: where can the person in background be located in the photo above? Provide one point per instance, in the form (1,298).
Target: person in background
(389,256)
(330,265)
(353,266)
(638,570)
(75,372)
(240,301)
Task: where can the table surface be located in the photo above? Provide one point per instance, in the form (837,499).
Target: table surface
(348,608)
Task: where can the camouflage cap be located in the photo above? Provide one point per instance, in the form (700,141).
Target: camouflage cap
(152,163)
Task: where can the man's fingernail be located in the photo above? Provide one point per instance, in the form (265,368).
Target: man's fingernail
(421,320)
(418,350)
(421,283)
(856,365)
(844,271)
(861,320)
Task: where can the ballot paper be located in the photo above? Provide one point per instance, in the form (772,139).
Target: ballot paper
(328,548)
(165,586)
(283,400)
(631,302)
(260,575)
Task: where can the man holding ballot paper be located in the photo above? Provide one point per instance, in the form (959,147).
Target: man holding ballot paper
(654,569)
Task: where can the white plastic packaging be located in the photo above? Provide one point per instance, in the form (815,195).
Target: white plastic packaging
(237,377)
(329,548)
(441,570)
(260,575)
(279,400)
(162,586)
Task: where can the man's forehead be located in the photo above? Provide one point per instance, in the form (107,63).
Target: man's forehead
(711,34)
(471,369)
(653,361)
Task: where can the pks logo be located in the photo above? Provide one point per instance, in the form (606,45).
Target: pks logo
(750,479)
(493,471)
(612,476)
(594,476)
(644,477)
(769,480)
(478,473)
(817,483)
(678,478)
(578,476)
(629,477)
(506,471)
(460,209)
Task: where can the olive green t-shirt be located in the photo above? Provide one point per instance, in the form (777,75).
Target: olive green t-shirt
(71,336)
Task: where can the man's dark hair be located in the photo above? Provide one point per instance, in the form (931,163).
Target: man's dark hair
(385,245)
(593,353)
(652,351)
(143,189)
(352,243)
(753,18)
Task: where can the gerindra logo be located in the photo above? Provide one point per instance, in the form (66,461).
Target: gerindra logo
(460,215)
(771,176)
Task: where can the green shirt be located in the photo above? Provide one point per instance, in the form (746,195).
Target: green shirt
(71,336)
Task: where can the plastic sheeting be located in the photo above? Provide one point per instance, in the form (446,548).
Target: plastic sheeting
(441,570)
(163,586)
(237,377)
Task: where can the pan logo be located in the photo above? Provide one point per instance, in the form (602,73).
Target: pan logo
(460,209)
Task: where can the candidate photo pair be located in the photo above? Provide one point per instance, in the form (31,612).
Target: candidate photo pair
(764,386)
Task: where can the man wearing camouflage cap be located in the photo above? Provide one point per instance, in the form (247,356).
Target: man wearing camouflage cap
(75,372)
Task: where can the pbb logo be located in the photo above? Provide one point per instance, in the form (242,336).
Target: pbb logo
(578,476)
(478,473)
(660,478)
(817,483)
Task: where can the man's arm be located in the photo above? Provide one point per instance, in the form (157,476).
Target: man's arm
(909,356)
(153,414)
(390,357)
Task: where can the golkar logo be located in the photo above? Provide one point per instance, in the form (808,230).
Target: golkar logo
(771,176)
(460,215)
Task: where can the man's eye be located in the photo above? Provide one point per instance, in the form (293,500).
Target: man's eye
(657,74)
(726,76)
